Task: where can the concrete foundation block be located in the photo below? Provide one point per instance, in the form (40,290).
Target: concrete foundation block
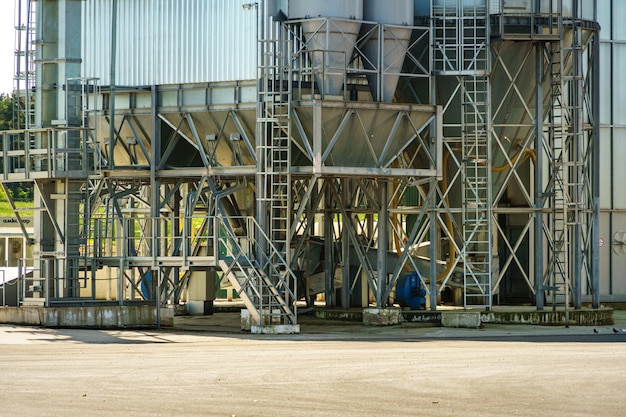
(249,321)
(85,317)
(246,320)
(461,319)
(382,316)
(167,317)
(276,329)
(180,310)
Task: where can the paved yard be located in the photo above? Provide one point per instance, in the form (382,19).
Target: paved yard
(204,367)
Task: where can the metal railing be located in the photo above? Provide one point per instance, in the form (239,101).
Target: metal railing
(534,19)
(49,153)
(267,281)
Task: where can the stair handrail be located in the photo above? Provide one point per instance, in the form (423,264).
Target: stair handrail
(254,232)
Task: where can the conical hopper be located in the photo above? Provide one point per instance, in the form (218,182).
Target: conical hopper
(337,38)
(395,42)
(387,55)
(331,26)
(361,135)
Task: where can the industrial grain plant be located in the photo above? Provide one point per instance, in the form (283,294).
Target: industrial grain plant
(294,155)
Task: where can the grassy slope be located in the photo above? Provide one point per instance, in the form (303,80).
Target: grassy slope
(6,211)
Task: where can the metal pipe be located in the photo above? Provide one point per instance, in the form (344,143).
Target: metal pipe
(111,163)
(329,267)
(578,154)
(345,246)
(433,247)
(155,187)
(595,238)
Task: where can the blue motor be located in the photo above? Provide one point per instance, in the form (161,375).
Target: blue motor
(409,292)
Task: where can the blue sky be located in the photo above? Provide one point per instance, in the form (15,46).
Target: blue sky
(7,42)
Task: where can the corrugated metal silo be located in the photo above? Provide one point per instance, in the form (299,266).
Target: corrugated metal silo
(170,42)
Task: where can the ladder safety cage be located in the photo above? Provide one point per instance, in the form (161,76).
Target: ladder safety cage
(25,56)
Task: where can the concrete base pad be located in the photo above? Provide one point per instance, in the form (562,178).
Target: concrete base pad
(251,324)
(382,316)
(464,319)
(90,316)
(276,329)
(548,317)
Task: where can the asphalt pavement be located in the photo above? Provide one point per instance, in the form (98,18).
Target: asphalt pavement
(205,366)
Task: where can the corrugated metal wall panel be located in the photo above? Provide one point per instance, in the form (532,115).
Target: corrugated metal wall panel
(618,89)
(605,167)
(619,29)
(618,262)
(170,41)
(605,82)
(612,153)
(604,18)
(619,168)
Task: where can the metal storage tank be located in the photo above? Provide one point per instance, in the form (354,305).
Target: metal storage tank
(613,151)
(203,124)
(507,99)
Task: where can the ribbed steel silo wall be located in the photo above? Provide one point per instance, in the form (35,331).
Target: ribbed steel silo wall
(612,150)
(170,42)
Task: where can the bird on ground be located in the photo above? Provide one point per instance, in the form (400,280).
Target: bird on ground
(596,330)
(618,331)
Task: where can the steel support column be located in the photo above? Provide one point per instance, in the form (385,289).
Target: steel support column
(595,172)
(539,201)
(383,242)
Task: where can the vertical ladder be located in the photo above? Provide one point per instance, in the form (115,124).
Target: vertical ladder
(24,81)
(476,146)
(80,103)
(76,218)
(79,95)
(557,279)
(567,183)
(275,91)
(575,164)
(461,47)
(460,37)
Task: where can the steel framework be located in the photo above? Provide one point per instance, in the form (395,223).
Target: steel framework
(285,191)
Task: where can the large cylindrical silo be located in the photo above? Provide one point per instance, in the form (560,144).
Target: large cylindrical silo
(421,8)
(387,54)
(336,37)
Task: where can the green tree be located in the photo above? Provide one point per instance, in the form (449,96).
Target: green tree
(21,191)
(6,111)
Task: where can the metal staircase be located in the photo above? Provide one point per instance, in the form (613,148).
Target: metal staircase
(277,299)
(270,301)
